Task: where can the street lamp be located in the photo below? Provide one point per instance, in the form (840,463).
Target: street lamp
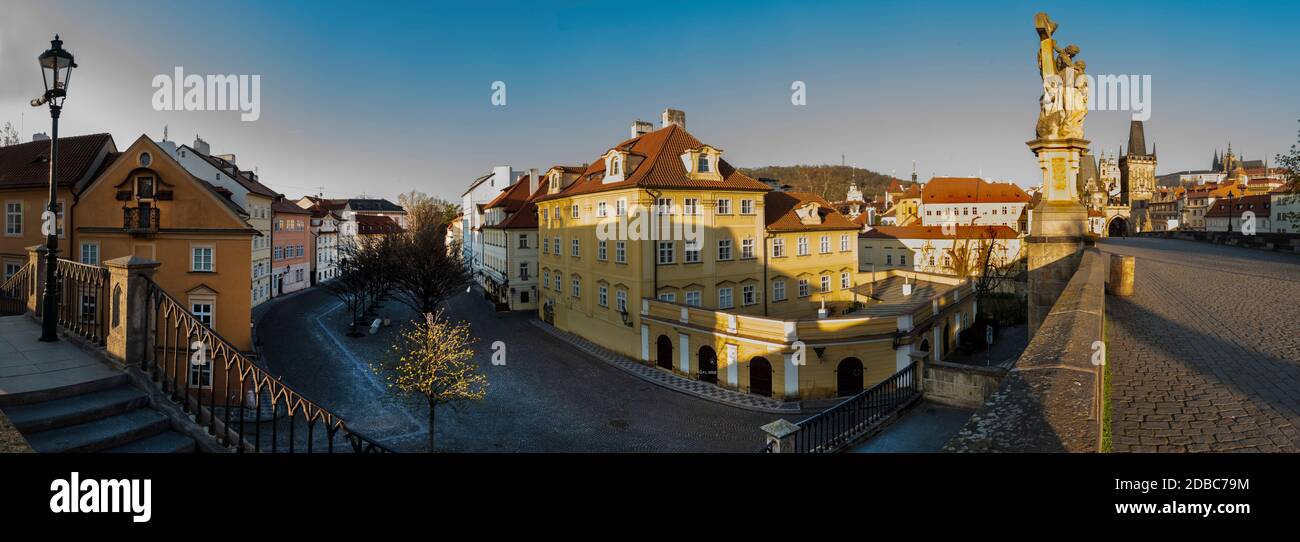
(56,69)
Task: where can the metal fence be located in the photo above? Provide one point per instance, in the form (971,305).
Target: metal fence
(238,402)
(14,291)
(83,293)
(841,424)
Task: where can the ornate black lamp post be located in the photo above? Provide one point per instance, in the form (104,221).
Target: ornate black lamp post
(56,68)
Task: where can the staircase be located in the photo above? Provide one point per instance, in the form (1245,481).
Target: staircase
(101,414)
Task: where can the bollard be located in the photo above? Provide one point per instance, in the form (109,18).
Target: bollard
(1121,275)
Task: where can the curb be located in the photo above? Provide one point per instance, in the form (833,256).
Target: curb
(673,381)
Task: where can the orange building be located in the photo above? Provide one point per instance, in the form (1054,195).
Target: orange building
(292,253)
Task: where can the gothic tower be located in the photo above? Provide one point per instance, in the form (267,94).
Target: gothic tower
(1137,175)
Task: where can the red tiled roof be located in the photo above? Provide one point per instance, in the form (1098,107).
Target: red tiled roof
(1260,205)
(779,212)
(282,206)
(513,197)
(376,224)
(970,190)
(526,216)
(660,166)
(937,232)
(242,177)
(28,164)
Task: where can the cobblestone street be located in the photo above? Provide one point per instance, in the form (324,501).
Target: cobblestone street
(1206,355)
(549,397)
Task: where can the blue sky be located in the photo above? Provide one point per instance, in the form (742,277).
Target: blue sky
(363,97)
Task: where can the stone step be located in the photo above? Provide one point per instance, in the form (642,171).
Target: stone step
(167,442)
(59,384)
(100,434)
(53,414)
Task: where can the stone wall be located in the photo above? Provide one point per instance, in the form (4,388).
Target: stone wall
(960,385)
(1051,400)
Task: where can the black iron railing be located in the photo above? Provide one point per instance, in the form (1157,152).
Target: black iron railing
(841,424)
(14,291)
(135,219)
(240,404)
(83,296)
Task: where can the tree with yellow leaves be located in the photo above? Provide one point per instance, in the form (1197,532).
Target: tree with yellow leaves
(434,359)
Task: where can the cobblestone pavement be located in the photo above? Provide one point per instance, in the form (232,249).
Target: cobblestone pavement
(549,397)
(1206,355)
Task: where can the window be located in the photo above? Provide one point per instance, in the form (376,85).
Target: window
(602,250)
(691,206)
(803,246)
(778,290)
(666,252)
(14,218)
(144,186)
(58,223)
(546,245)
(746,206)
(889,259)
(546,217)
(201,374)
(603,298)
(297,275)
(844,243)
(577,287)
(574,249)
(620,251)
(11,268)
(703,166)
(523,270)
(664,206)
(778,247)
(614,166)
(620,207)
(556,246)
(546,279)
(844,281)
(725,300)
(746,249)
(670,297)
(804,289)
(826,244)
(902,259)
(201,259)
(523,241)
(90,253)
(573,213)
(693,298)
(724,206)
(724,249)
(620,300)
(826,283)
(691,252)
(202,312)
(602,210)
(748,296)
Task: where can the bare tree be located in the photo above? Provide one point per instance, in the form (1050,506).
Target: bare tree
(352,285)
(8,135)
(429,272)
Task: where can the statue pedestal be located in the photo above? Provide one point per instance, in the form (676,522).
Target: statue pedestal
(1058,227)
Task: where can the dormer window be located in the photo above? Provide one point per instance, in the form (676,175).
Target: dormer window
(703,166)
(555,182)
(702,163)
(614,166)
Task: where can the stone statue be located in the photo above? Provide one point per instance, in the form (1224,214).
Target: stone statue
(1064,102)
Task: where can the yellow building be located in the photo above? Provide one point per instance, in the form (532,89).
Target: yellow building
(661,223)
(144,203)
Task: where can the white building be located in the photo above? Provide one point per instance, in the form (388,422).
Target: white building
(1286,211)
(325,237)
(935,249)
(246,191)
(973,201)
(483,190)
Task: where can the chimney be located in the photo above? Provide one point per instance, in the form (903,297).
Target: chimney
(675,116)
(532,181)
(227,157)
(640,128)
(201,146)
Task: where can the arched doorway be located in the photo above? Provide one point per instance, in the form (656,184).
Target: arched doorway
(848,377)
(760,377)
(925,347)
(1118,227)
(664,346)
(708,365)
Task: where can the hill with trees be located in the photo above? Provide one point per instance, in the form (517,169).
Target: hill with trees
(830,182)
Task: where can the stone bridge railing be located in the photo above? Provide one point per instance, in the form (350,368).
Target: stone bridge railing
(1051,400)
